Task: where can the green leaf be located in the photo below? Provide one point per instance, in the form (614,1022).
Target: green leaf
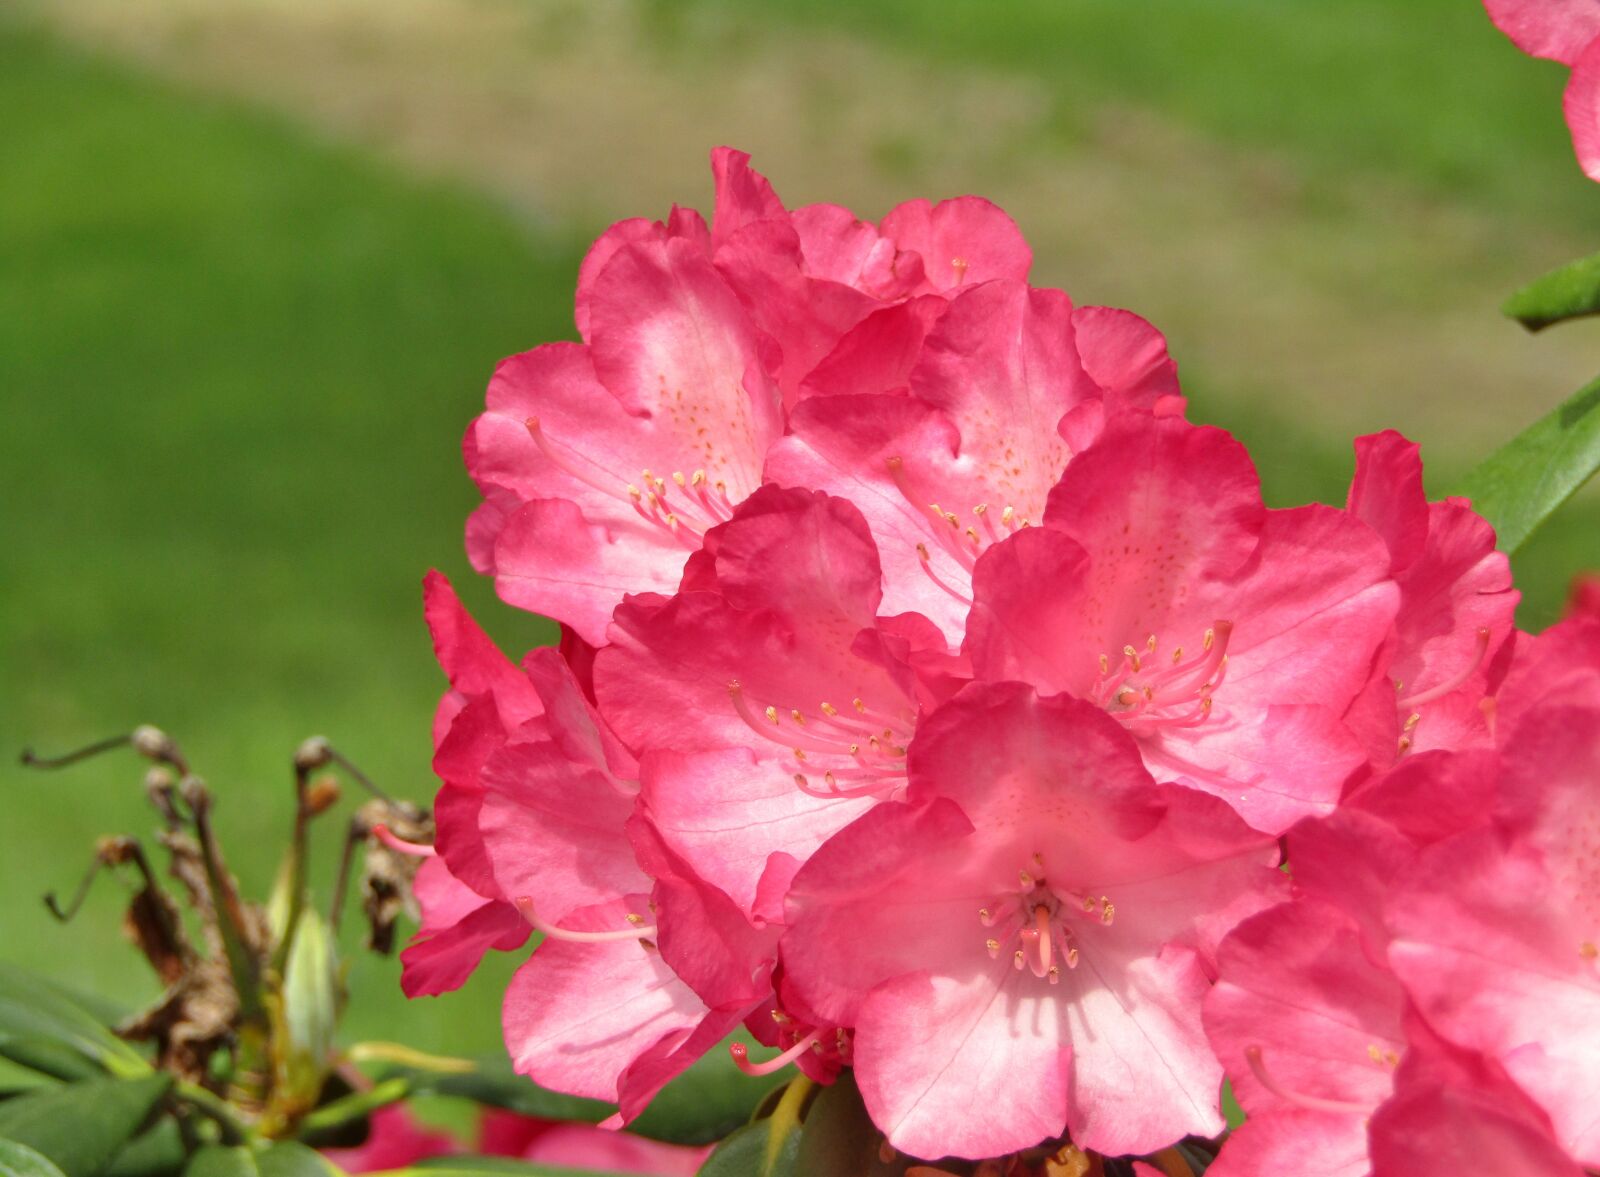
(82,1126)
(16,1078)
(287,1158)
(32,1009)
(840,1137)
(744,1154)
(1566,292)
(467,1166)
(768,1147)
(1522,483)
(706,1102)
(159,1152)
(494,1083)
(18,1160)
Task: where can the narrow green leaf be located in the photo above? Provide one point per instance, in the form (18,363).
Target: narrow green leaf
(768,1147)
(16,1078)
(744,1154)
(1567,292)
(160,1152)
(493,1082)
(32,1009)
(82,1126)
(290,1158)
(1521,484)
(706,1102)
(466,1166)
(703,1105)
(18,1160)
(51,1057)
(840,1137)
(215,1160)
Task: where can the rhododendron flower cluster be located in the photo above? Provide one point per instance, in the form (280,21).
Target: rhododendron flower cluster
(935,699)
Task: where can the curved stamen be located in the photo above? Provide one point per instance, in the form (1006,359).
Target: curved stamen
(400,846)
(1314,1103)
(927,568)
(531,424)
(741,1055)
(1453,683)
(638,932)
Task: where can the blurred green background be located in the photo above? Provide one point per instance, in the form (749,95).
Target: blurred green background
(258,257)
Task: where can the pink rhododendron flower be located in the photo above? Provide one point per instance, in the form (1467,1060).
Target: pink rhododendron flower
(966,452)
(1022,947)
(1496,929)
(602,463)
(1226,638)
(1567,31)
(1457,606)
(768,703)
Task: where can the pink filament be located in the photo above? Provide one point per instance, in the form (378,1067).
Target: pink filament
(1314,1103)
(399,845)
(1450,684)
(525,906)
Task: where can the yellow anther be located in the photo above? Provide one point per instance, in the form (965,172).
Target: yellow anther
(1108,912)
(799,753)
(634,919)
(633,492)
(922,550)
(992,944)
(794,714)
(1105,665)
(698,478)
(984,914)
(972,534)
(858,704)
(855,748)
(1006,515)
(800,779)
(1025,879)
(722,487)
(829,709)
(1211,639)
(1150,644)
(981,509)
(1412,720)
(772,714)
(1132,656)
(677,476)
(1072,958)
(1177,655)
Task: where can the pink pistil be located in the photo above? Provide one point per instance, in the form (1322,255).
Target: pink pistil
(741,1055)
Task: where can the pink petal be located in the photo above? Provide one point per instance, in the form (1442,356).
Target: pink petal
(1296,985)
(1581,104)
(1557,29)
(1386,494)
(577,1016)
(1294,1140)
(963,241)
(1125,356)
(926,1047)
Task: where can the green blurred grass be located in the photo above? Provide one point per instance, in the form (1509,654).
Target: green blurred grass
(236,361)
(1353,91)
(236,364)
